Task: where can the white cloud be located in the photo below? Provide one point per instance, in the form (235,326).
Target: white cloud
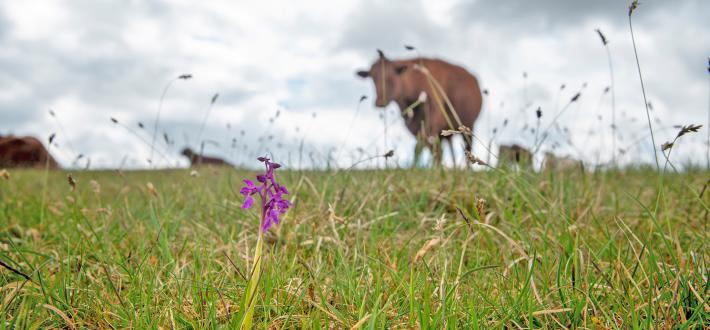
(92,60)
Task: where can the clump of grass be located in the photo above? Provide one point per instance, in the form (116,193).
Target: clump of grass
(561,250)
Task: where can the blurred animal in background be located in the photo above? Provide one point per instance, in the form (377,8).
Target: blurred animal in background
(24,151)
(420,87)
(511,156)
(566,163)
(197,159)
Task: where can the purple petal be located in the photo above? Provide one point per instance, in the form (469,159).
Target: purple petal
(249,183)
(248,202)
(261,178)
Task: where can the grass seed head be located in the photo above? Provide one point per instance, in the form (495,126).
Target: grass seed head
(425,248)
(666,145)
(602,37)
(689,128)
(633,6)
(71,181)
(5,174)
(95,186)
(151,189)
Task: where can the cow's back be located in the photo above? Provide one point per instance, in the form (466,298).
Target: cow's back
(24,152)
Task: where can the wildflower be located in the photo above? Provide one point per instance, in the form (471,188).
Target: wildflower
(273,205)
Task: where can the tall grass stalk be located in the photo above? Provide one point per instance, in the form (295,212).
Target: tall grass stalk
(160,108)
(643,88)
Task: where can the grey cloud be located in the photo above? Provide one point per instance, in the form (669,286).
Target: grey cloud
(388,26)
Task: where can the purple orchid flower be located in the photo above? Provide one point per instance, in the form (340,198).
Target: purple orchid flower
(273,205)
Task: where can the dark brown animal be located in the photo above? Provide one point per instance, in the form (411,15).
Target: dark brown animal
(514,156)
(403,82)
(551,162)
(24,152)
(197,159)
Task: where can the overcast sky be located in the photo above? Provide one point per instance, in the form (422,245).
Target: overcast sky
(91,60)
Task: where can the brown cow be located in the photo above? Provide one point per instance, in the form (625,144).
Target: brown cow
(197,159)
(24,152)
(514,156)
(551,162)
(405,81)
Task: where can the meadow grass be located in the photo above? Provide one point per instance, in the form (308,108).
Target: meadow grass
(370,249)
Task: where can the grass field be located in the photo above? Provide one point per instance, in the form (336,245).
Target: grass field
(370,249)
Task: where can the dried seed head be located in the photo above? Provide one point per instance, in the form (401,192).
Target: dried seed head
(95,186)
(389,154)
(214,98)
(666,145)
(409,47)
(51,137)
(687,129)
(485,92)
(422,97)
(538,112)
(633,6)
(448,132)
(425,248)
(185,76)
(51,113)
(114,120)
(71,181)
(141,125)
(5,174)
(601,36)
(480,207)
(473,159)
(465,130)
(151,189)
(440,223)
(194,173)
(363,98)
(575,97)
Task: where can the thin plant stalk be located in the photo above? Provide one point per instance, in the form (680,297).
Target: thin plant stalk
(613,106)
(643,91)
(160,108)
(157,118)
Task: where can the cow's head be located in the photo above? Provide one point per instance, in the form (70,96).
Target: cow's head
(386,75)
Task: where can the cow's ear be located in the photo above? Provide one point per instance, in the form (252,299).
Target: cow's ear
(400,69)
(363,73)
